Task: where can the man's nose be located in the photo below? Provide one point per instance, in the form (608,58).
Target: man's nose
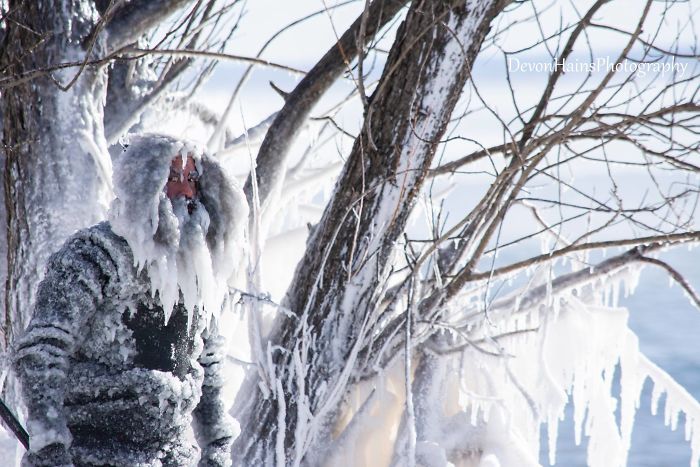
(187,190)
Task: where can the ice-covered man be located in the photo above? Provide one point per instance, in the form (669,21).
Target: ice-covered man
(122,357)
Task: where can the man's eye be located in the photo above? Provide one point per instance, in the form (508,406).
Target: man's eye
(193,176)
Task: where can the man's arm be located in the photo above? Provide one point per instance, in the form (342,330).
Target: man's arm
(67,297)
(213,426)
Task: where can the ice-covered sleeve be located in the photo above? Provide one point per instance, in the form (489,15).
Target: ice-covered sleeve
(213,425)
(68,296)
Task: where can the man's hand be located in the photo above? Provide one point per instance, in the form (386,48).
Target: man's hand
(217,453)
(53,455)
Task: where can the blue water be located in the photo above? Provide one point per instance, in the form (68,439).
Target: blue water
(668,327)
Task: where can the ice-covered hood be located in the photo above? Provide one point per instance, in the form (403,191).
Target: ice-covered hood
(140,174)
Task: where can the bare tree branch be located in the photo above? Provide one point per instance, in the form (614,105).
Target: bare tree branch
(215,55)
(272,157)
(676,276)
(135,18)
(661,240)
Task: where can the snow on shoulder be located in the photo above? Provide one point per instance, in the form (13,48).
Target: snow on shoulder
(184,249)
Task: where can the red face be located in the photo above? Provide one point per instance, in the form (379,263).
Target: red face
(182,181)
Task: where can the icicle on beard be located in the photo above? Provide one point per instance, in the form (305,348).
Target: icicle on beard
(185,265)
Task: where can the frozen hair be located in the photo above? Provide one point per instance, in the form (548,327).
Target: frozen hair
(140,206)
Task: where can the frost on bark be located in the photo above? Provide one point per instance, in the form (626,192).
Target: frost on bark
(56,103)
(56,171)
(341,279)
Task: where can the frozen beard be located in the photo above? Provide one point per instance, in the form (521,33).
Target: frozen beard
(176,256)
(182,229)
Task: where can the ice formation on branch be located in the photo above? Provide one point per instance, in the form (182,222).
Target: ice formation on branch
(482,393)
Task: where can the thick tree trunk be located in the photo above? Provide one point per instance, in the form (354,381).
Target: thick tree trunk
(56,174)
(271,160)
(339,282)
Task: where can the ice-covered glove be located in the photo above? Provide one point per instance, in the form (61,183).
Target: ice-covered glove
(212,424)
(217,454)
(53,455)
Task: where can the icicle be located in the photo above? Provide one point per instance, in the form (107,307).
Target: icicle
(548,293)
(631,384)
(655,396)
(552,434)
(670,414)
(473,416)
(281,424)
(580,406)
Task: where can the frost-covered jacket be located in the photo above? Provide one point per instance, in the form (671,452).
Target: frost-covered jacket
(105,381)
